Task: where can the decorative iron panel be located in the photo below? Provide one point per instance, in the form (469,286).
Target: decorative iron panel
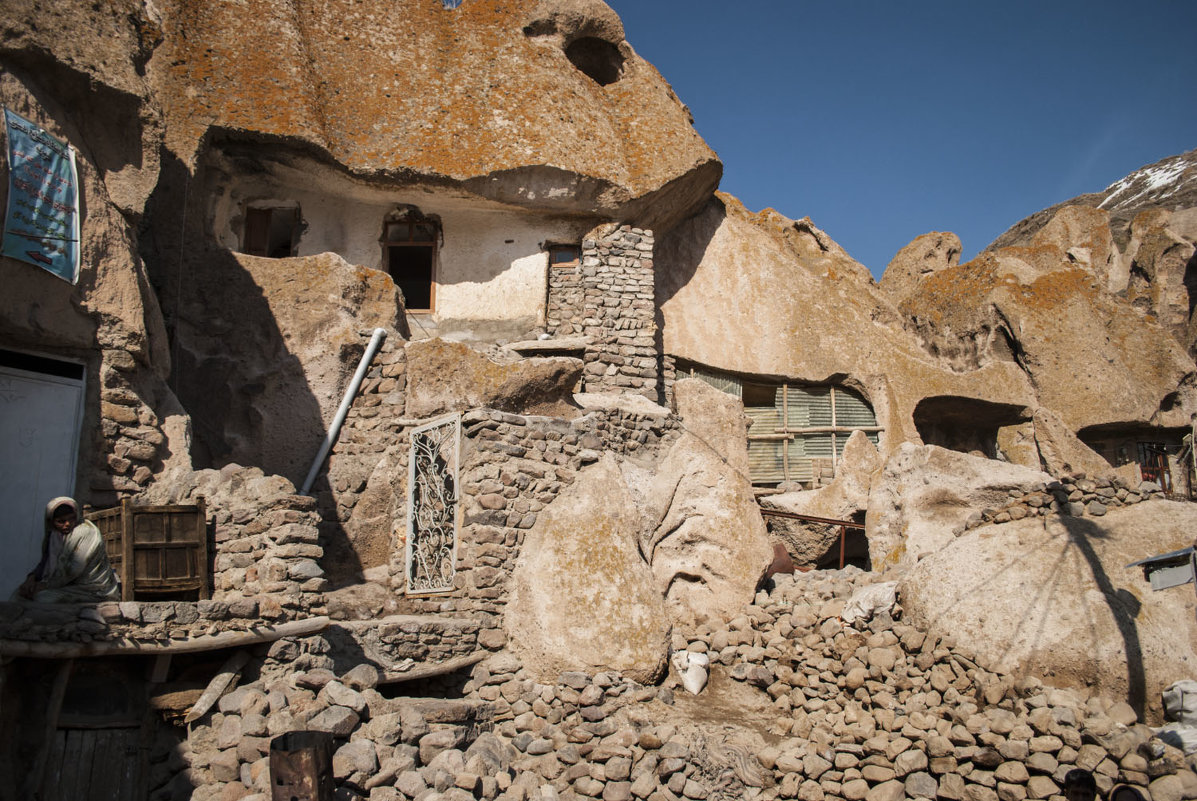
(432,506)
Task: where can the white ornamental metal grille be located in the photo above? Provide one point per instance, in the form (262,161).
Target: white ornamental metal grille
(432,503)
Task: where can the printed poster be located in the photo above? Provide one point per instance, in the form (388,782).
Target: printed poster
(42,223)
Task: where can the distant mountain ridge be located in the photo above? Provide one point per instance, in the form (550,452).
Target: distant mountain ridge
(1169,183)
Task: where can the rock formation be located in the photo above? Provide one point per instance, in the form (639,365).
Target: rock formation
(1054,598)
(583,597)
(925,495)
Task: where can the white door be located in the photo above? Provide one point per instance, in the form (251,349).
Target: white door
(40,417)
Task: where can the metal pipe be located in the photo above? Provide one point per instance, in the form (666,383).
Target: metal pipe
(335,429)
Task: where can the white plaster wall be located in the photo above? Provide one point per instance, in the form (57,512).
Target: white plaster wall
(491,264)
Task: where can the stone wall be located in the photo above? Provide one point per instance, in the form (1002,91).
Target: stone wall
(131,437)
(512,467)
(609,297)
(272,557)
(1074,496)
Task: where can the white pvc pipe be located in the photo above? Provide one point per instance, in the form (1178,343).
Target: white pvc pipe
(335,429)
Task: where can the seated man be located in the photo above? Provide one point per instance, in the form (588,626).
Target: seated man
(74,567)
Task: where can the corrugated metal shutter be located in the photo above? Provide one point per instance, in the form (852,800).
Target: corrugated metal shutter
(764,461)
(765,464)
(720,381)
(852,410)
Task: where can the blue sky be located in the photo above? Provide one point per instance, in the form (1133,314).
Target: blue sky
(885,120)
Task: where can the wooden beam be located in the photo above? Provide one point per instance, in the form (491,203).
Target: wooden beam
(230,671)
(125,647)
(53,709)
(437,669)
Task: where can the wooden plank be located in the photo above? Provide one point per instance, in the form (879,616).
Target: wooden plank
(53,709)
(51,789)
(128,574)
(103,773)
(206,642)
(160,669)
(438,669)
(201,534)
(230,671)
(71,786)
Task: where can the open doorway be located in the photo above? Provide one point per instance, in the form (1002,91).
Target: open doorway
(39,448)
(409,248)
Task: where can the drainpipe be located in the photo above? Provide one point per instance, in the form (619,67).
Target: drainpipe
(335,429)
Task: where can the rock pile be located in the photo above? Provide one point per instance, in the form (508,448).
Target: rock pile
(865,712)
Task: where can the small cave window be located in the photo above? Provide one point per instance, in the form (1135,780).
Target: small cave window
(410,256)
(271,231)
(564,255)
(600,60)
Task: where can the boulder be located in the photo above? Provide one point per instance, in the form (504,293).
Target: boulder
(845,498)
(925,494)
(1054,598)
(582,596)
(445,376)
(925,255)
(1061,452)
(470,97)
(704,537)
(761,294)
(263,369)
(716,418)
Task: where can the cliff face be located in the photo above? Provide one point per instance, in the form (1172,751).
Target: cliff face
(542,105)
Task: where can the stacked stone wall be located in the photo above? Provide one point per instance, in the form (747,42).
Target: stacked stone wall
(127,446)
(1072,496)
(513,466)
(270,557)
(609,297)
(372,427)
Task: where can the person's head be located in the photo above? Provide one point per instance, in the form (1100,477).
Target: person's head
(1124,792)
(62,514)
(1079,785)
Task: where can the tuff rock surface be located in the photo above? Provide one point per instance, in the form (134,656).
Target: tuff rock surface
(1054,598)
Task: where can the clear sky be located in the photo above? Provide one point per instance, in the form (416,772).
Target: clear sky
(885,119)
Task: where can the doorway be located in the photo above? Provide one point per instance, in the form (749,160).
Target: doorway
(42,413)
(410,249)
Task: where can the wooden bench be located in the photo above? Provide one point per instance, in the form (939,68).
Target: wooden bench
(157,550)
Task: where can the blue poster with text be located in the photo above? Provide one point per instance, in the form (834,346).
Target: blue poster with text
(42,223)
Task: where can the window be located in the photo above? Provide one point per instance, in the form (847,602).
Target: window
(563,255)
(409,248)
(271,231)
(796,429)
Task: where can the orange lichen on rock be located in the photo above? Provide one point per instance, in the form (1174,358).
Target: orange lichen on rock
(408,87)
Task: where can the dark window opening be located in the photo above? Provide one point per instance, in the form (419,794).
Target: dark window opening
(271,232)
(853,549)
(411,260)
(563,255)
(40,364)
(600,60)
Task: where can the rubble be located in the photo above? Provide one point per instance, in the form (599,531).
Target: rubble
(878,709)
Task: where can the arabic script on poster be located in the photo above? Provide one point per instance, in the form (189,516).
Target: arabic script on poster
(42,223)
